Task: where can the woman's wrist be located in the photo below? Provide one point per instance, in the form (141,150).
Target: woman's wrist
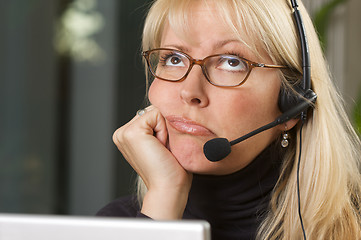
(165,204)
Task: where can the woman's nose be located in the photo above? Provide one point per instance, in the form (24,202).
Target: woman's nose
(194,88)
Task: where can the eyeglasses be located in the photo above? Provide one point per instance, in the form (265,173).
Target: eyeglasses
(224,70)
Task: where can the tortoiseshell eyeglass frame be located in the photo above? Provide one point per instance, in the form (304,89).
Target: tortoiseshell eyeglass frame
(201,63)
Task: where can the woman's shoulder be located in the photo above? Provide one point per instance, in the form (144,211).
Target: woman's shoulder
(127,206)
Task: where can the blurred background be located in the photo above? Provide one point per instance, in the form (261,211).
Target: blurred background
(71,73)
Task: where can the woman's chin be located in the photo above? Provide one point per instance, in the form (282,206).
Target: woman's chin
(190,156)
(191,162)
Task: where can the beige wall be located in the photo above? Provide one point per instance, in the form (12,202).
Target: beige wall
(344,47)
(352,84)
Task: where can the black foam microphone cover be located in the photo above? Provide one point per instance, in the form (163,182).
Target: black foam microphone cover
(217,149)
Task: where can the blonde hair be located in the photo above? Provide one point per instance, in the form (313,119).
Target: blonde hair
(330,179)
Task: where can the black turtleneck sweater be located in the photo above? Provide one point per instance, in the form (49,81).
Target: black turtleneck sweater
(234,204)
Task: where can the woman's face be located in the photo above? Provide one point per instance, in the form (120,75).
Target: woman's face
(196,111)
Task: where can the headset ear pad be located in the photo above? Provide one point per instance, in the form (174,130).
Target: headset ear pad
(288,98)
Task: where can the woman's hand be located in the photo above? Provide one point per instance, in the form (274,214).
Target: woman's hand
(143,143)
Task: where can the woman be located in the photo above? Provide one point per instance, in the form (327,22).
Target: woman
(251,193)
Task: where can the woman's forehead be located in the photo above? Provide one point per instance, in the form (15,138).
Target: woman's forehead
(214,34)
(199,33)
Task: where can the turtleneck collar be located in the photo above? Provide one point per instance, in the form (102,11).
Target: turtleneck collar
(235,204)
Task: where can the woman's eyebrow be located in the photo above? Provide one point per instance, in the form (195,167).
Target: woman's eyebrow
(223,43)
(216,46)
(177,47)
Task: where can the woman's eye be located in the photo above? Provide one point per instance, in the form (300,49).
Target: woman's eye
(173,60)
(231,63)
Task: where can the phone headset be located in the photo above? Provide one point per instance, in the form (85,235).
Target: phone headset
(293,104)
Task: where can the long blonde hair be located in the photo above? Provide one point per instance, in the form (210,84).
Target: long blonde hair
(330,179)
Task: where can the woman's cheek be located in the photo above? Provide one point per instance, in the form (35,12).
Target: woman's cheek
(152,93)
(158,93)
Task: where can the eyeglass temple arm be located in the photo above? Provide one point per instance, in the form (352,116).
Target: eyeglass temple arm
(267,65)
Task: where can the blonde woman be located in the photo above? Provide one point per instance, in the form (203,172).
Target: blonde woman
(253,192)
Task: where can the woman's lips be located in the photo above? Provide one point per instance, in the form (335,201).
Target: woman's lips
(184,125)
